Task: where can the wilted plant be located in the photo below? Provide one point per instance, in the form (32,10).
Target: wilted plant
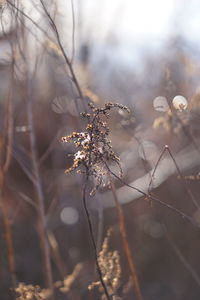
(109,262)
(31,292)
(94,155)
(95,148)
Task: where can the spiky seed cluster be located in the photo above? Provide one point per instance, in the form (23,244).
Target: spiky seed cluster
(109,262)
(94,146)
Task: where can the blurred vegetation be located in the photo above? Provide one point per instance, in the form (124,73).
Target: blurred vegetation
(49,71)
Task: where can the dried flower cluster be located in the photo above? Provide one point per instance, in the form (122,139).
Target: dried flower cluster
(109,262)
(31,292)
(94,146)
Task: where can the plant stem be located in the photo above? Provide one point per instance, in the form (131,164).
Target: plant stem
(93,241)
(40,200)
(122,228)
(5,164)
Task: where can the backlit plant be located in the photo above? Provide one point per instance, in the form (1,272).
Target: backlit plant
(94,145)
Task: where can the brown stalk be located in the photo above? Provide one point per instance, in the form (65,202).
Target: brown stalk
(6,147)
(36,177)
(56,254)
(42,231)
(124,238)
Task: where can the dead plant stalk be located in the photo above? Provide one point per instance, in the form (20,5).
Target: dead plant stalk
(127,251)
(6,147)
(40,199)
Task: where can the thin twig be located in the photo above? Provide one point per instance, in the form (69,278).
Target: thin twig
(27,17)
(155,168)
(55,29)
(28,200)
(23,162)
(8,156)
(189,192)
(42,232)
(100,213)
(73,32)
(56,254)
(147,196)
(49,149)
(8,150)
(93,241)
(40,199)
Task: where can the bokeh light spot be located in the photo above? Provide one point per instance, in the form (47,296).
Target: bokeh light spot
(160,104)
(69,215)
(180,103)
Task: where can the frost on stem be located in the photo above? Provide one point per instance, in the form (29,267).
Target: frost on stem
(94,146)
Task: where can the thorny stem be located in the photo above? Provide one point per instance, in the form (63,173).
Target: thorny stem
(127,250)
(93,240)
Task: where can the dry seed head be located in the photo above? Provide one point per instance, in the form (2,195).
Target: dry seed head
(109,262)
(94,147)
(31,292)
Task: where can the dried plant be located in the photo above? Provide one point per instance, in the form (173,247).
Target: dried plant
(94,155)
(92,158)
(31,292)
(94,146)
(109,262)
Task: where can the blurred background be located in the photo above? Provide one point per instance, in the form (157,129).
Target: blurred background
(142,54)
